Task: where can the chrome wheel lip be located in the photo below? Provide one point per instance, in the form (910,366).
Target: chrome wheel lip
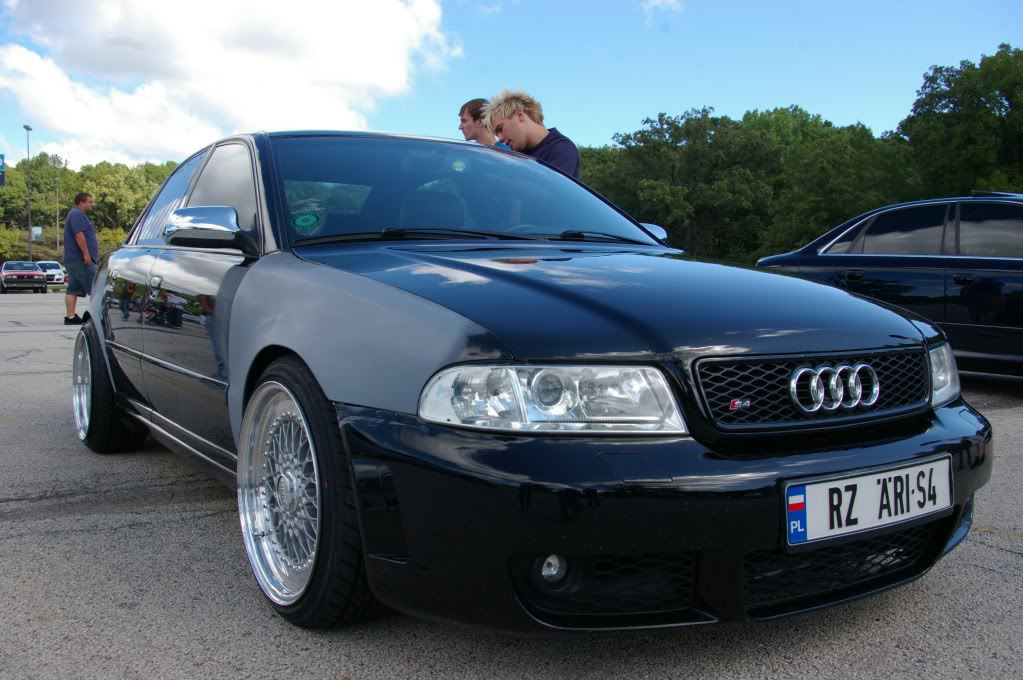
(279,504)
(81,384)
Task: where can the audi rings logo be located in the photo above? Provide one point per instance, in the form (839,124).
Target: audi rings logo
(834,387)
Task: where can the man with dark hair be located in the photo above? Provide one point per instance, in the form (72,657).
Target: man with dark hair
(517,120)
(81,252)
(470,122)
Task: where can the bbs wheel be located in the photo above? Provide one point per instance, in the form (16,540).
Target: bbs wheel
(98,420)
(296,504)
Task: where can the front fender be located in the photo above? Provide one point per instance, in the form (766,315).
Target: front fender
(368,343)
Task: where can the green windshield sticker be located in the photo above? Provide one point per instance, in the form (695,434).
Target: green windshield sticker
(306,220)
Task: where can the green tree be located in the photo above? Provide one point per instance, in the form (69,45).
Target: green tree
(966,126)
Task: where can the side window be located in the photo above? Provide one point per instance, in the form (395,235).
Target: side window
(910,231)
(843,242)
(991,230)
(227,180)
(168,199)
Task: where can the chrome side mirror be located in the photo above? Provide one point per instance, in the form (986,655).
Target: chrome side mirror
(210,226)
(657,231)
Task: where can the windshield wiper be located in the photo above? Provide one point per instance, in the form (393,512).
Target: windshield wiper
(404,232)
(583,235)
(416,231)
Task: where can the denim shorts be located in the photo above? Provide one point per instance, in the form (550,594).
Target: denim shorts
(79,278)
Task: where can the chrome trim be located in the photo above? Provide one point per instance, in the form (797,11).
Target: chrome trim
(179,369)
(206,442)
(129,350)
(191,449)
(820,251)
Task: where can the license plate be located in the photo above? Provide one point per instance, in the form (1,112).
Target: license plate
(847,505)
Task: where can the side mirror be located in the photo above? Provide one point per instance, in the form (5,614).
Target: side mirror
(211,226)
(657,231)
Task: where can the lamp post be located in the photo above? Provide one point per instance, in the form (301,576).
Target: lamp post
(28,187)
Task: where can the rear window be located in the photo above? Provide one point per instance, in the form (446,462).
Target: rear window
(991,230)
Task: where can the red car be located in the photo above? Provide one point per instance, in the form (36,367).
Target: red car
(15,275)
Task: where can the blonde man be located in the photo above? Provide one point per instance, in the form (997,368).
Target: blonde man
(517,120)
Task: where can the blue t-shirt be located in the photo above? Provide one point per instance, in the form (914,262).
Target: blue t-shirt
(559,151)
(78,222)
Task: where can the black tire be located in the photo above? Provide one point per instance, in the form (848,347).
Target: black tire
(3,289)
(44,290)
(99,422)
(326,585)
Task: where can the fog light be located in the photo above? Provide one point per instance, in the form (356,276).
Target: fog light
(554,568)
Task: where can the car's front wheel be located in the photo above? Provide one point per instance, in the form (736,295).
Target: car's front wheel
(98,420)
(296,503)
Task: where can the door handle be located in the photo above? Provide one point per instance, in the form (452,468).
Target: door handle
(854,275)
(963,279)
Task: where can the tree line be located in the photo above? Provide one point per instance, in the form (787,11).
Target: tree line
(734,190)
(724,189)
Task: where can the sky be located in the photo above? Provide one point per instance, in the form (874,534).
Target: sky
(133,81)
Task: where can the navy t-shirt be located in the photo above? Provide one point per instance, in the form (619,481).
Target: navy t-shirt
(559,151)
(78,222)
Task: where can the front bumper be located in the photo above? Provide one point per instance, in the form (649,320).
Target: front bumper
(660,531)
(23,282)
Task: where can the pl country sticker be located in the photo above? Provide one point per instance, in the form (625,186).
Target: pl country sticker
(305,222)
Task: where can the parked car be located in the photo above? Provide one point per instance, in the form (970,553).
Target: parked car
(54,272)
(18,275)
(956,261)
(452,380)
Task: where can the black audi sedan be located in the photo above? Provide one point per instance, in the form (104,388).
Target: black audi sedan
(956,261)
(452,380)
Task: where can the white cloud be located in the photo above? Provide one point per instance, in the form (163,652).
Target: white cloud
(649,6)
(139,80)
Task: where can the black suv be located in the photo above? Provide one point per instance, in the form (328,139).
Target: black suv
(957,261)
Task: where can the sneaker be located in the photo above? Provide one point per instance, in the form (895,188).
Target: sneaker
(73,321)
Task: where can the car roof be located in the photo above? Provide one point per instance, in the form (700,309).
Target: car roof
(976,197)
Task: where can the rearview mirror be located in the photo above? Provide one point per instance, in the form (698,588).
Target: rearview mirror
(210,226)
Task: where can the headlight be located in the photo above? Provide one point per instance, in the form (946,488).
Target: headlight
(944,376)
(582,399)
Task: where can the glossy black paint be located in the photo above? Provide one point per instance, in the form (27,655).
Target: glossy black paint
(977,301)
(447,513)
(592,300)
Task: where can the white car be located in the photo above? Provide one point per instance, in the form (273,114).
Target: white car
(54,272)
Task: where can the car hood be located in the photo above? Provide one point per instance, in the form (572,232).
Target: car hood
(558,302)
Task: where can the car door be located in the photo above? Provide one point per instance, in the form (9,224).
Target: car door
(190,292)
(125,308)
(984,312)
(898,259)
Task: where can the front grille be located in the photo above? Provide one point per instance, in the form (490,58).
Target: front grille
(774,576)
(616,585)
(764,383)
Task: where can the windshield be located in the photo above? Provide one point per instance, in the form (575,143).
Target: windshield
(21,267)
(49,265)
(355,185)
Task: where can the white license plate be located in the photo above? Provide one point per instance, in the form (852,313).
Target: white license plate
(847,505)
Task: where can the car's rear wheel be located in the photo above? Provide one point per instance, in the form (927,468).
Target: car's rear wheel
(98,420)
(296,503)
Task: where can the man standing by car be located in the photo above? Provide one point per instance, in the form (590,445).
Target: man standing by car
(81,252)
(517,120)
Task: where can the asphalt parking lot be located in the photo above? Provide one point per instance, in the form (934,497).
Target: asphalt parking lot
(131,566)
